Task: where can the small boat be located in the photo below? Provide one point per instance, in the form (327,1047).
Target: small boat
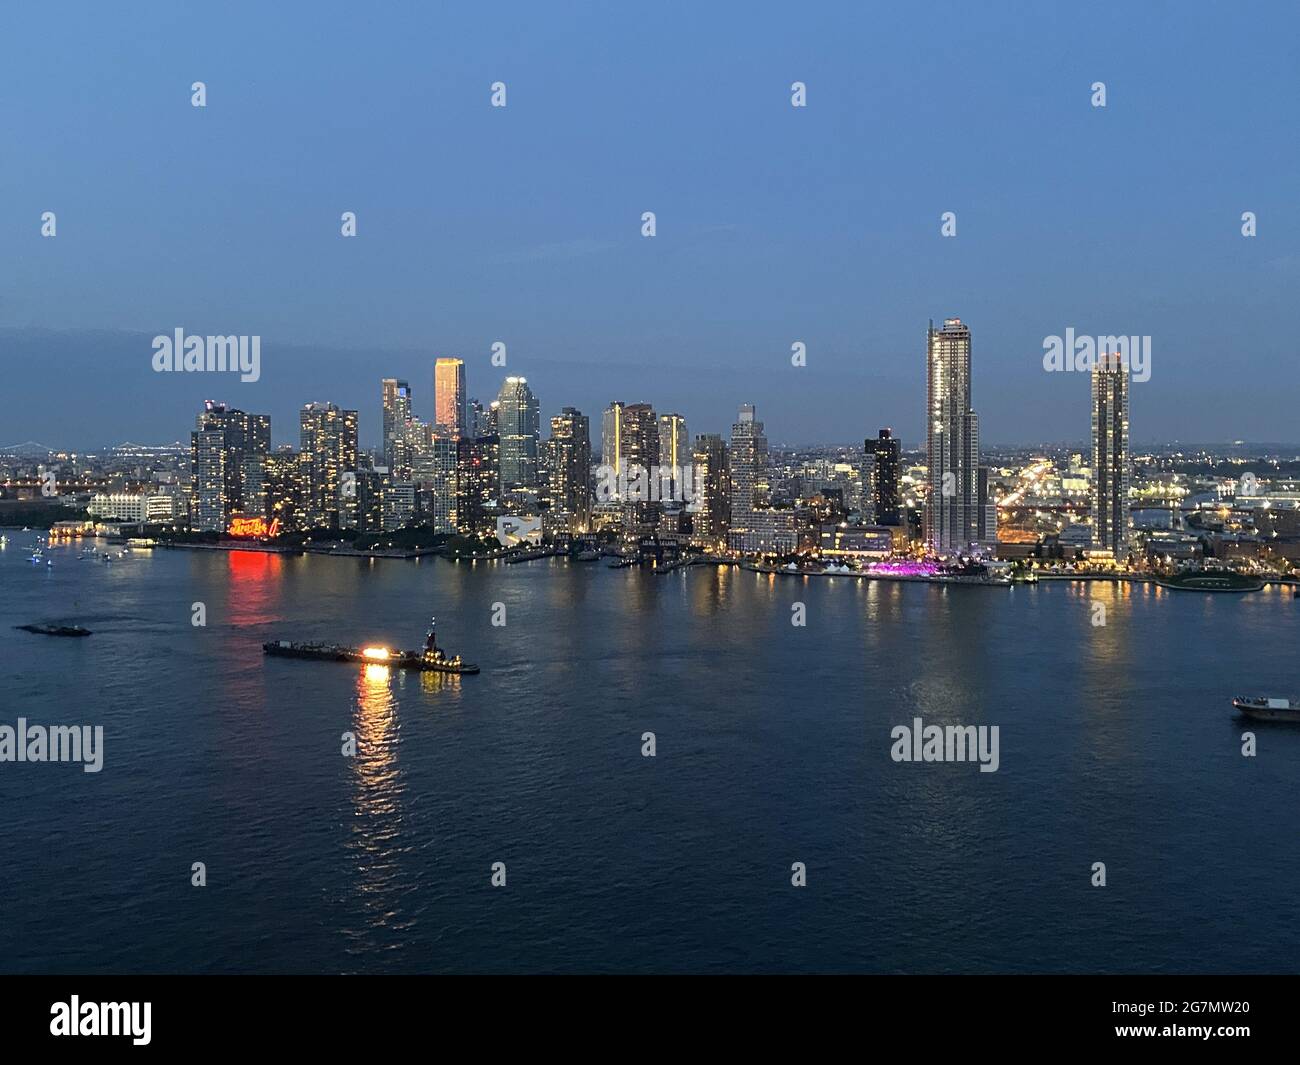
(586,556)
(55,630)
(1267,709)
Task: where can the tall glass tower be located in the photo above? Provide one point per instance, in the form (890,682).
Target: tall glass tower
(519,426)
(955,513)
(449,407)
(1110,456)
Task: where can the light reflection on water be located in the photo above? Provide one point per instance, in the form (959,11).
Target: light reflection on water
(375,842)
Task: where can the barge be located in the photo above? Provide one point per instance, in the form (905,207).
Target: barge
(431,658)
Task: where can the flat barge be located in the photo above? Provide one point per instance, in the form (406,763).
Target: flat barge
(431,658)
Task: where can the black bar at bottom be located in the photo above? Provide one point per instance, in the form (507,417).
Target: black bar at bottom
(382,1013)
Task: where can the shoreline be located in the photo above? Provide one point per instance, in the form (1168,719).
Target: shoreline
(531,555)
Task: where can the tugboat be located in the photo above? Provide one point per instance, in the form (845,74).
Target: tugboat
(1264,709)
(431,658)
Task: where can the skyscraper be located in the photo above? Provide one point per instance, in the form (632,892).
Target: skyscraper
(711,517)
(478,482)
(440,482)
(397,412)
(209,502)
(611,436)
(329,460)
(519,427)
(674,443)
(755,524)
(449,397)
(638,443)
(571,468)
(227,451)
(748,463)
(1110,456)
(885,497)
(955,514)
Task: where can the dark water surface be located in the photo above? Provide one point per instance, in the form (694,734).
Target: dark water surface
(1117,745)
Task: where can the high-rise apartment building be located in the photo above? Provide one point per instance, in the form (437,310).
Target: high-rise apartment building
(674,443)
(226,451)
(748,464)
(638,458)
(570,474)
(329,462)
(1110,456)
(478,483)
(956,515)
(397,413)
(611,436)
(711,516)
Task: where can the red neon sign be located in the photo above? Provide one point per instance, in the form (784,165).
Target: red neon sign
(253,527)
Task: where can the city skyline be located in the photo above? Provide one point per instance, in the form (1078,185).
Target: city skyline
(820,225)
(663,489)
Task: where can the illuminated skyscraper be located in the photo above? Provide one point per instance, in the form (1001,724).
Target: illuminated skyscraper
(955,513)
(227,450)
(748,463)
(571,469)
(1110,456)
(209,502)
(329,461)
(638,443)
(519,427)
(711,481)
(449,397)
(397,412)
(674,443)
(440,482)
(611,436)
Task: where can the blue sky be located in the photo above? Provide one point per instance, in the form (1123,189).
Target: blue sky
(775,224)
